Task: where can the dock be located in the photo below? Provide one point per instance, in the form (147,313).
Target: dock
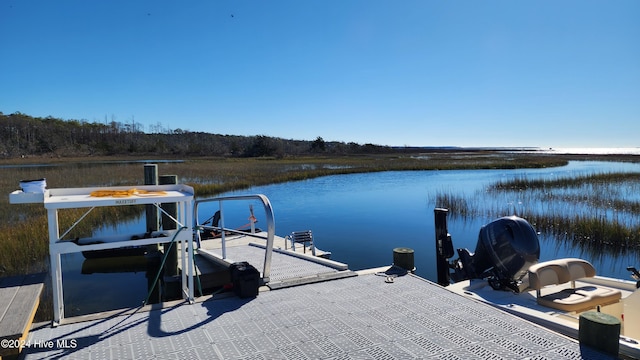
(284,304)
(288,267)
(19,299)
(376,314)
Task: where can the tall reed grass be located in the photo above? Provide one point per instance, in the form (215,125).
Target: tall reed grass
(598,212)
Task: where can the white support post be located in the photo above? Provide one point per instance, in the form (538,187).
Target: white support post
(56,267)
(188,219)
(222,232)
(183,257)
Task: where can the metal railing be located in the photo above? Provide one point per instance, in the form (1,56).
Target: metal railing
(268,210)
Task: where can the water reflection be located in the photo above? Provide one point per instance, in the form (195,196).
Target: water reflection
(113,283)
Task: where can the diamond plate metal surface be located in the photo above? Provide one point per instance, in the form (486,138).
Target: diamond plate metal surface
(360,317)
(283,266)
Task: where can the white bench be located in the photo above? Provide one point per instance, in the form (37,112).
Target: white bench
(544,276)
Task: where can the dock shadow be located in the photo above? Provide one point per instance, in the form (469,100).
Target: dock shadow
(69,343)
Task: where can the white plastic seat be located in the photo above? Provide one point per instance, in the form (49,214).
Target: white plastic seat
(543,276)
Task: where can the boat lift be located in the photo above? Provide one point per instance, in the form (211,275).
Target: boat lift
(92,197)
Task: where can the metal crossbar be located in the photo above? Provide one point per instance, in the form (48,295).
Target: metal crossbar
(268,212)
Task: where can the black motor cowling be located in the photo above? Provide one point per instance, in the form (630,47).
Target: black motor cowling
(506,248)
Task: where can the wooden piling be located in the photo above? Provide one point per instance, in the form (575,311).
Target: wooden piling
(152,224)
(600,331)
(170,210)
(403,258)
(151,178)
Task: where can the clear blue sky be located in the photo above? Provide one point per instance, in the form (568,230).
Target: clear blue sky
(428,73)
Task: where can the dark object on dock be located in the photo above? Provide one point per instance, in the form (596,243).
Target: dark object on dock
(600,331)
(19,299)
(245,279)
(403,258)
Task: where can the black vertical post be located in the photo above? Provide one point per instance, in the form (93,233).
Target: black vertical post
(153,258)
(444,248)
(171,264)
(151,178)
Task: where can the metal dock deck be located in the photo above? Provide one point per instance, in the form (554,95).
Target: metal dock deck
(362,317)
(288,268)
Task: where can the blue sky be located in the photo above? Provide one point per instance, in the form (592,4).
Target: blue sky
(422,73)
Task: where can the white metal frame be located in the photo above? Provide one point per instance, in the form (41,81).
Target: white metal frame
(271,228)
(56,199)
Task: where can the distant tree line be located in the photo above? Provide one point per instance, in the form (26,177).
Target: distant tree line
(24,135)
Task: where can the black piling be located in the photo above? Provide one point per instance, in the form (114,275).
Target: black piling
(152,224)
(444,246)
(151,178)
(170,210)
(403,258)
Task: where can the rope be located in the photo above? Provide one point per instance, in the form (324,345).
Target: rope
(392,273)
(196,272)
(164,260)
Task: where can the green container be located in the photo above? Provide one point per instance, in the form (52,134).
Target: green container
(403,257)
(600,331)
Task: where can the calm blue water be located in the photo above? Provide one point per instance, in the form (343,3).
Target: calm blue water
(361,218)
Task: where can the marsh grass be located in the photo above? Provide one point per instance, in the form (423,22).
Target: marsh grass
(24,243)
(598,212)
(524,183)
(23,229)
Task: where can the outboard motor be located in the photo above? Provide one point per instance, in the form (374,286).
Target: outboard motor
(506,248)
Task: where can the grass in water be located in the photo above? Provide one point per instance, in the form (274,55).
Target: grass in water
(597,212)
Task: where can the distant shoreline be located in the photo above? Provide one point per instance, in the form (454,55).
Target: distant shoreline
(626,154)
(592,151)
(536,150)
